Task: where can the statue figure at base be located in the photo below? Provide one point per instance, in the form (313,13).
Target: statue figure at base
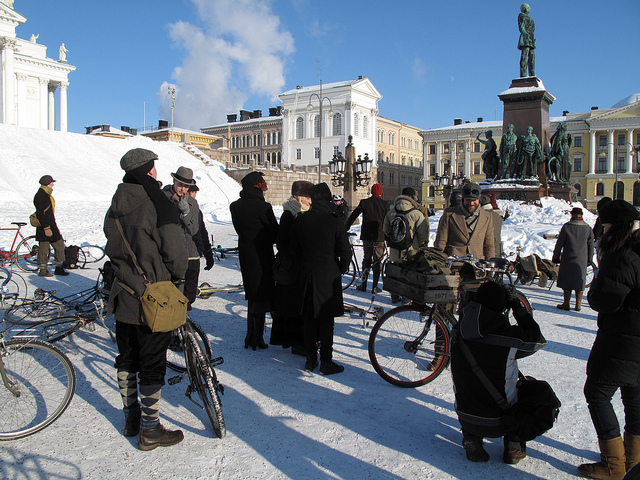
(526,42)
(490,155)
(529,155)
(508,152)
(559,165)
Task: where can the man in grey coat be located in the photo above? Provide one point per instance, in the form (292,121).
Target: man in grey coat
(152,228)
(574,253)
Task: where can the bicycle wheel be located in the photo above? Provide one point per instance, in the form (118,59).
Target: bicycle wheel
(13,290)
(27,254)
(44,382)
(60,327)
(175,351)
(92,253)
(34,312)
(591,273)
(349,276)
(205,383)
(403,343)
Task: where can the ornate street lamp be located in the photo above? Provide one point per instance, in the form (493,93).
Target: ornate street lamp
(340,176)
(321,100)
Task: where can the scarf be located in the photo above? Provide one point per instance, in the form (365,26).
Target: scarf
(49,191)
(294,206)
(166,213)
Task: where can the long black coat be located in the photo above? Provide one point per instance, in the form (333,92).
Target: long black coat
(257,227)
(615,295)
(373,210)
(322,245)
(42,202)
(574,252)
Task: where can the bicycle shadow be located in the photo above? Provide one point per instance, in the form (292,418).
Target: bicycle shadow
(16,463)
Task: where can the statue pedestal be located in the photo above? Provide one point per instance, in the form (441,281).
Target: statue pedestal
(530,191)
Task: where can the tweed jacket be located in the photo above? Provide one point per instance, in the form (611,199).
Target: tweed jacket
(453,237)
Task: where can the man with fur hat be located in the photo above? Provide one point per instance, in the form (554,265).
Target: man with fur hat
(373,210)
(467,228)
(48,233)
(321,244)
(189,211)
(574,253)
(151,226)
(257,228)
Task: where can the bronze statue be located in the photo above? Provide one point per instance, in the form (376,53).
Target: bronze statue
(490,155)
(559,165)
(529,155)
(508,152)
(526,43)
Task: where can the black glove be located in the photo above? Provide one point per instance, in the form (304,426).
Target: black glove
(209,257)
(513,301)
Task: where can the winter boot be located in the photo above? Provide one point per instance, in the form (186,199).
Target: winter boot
(60,271)
(631,449)
(258,331)
(158,437)
(249,337)
(472,444)
(131,424)
(612,461)
(329,367)
(376,277)
(567,299)
(578,301)
(43,272)
(514,451)
(363,286)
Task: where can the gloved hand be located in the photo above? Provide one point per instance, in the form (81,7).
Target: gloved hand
(513,301)
(177,281)
(48,232)
(183,206)
(209,256)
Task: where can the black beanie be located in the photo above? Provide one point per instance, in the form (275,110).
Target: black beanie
(321,191)
(252,179)
(492,296)
(603,201)
(618,211)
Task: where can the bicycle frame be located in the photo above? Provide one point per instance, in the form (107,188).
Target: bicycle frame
(11,254)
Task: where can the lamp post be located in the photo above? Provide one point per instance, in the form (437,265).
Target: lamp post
(172,94)
(358,176)
(321,100)
(446,183)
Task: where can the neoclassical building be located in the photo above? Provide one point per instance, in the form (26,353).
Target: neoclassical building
(29,79)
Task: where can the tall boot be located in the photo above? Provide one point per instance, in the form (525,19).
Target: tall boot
(376,277)
(152,433)
(612,461)
(249,337)
(258,331)
(365,275)
(567,300)
(128,386)
(631,449)
(579,301)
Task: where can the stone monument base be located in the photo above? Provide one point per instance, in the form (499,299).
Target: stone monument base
(529,190)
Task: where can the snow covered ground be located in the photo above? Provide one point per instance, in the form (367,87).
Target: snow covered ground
(282,422)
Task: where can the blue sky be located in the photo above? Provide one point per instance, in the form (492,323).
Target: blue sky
(432,61)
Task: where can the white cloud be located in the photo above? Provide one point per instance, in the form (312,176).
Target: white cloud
(240,51)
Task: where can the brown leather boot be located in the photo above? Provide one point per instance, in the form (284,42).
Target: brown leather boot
(514,451)
(158,437)
(579,301)
(43,272)
(612,461)
(631,449)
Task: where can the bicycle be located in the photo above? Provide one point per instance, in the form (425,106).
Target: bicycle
(406,342)
(355,273)
(23,251)
(38,382)
(199,368)
(205,290)
(90,254)
(14,288)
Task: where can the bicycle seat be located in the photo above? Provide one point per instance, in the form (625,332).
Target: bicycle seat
(497,262)
(19,224)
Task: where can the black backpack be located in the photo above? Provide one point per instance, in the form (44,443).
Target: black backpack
(399,236)
(71,254)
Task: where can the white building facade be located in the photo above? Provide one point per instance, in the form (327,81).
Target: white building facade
(349,108)
(29,79)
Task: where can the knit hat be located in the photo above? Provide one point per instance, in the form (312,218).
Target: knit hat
(618,211)
(409,192)
(46,180)
(471,191)
(492,296)
(137,157)
(376,190)
(184,175)
(603,201)
(252,179)
(576,211)
(301,188)
(321,191)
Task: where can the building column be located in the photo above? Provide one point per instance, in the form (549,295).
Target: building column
(629,150)
(21,90)
(63,106)
(610,152)
(43,96)
(467,158)
(9,80)
(592,152)
(438,158)
(52,105)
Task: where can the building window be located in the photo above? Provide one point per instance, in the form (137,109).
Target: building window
(380,156)
(392,138)
(600,189)
(577,141)
(337,124)
(404,160)
(460,148)
(356,125)
(432,170)
(403,142)
(637,138)
(577,164)
(381,176)
(432,191)
(621,139)
(620,164)
(299,128)
(602,164)
(432,149)
(316,126)
(365,127)
(602,140)
(392,157)
(279,138)
(392,178)
(316,152)
(335,150)
(476,147)
(445,148)
(476,168)
(298,154)
(618,191)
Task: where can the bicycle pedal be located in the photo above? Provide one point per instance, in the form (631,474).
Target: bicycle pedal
(174,380)
(217,361)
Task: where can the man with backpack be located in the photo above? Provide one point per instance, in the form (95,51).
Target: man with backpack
(405,228)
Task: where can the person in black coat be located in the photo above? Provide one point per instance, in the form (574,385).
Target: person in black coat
(322,245)
(598,229)
(614,361)
(492,340)
(373,210)
(257,228)
(48,233)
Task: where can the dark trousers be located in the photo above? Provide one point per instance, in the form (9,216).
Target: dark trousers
(372,253)
(191,280)
(142,351)
(603,416)
(316,329)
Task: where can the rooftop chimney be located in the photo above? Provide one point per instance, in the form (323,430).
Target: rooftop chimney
(480,119)
(457,121)
(245,115)
(232,118)
(298,87)
(594,108)
(257,114)
(565,113)
(163,124)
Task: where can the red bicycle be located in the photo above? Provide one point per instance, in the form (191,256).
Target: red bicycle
(23,251)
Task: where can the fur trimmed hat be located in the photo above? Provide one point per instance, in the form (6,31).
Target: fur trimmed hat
(136,158)
(321,191)
(618,211)
(301,188)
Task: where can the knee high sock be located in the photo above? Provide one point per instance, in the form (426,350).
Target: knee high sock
(150,403)
(128,386)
